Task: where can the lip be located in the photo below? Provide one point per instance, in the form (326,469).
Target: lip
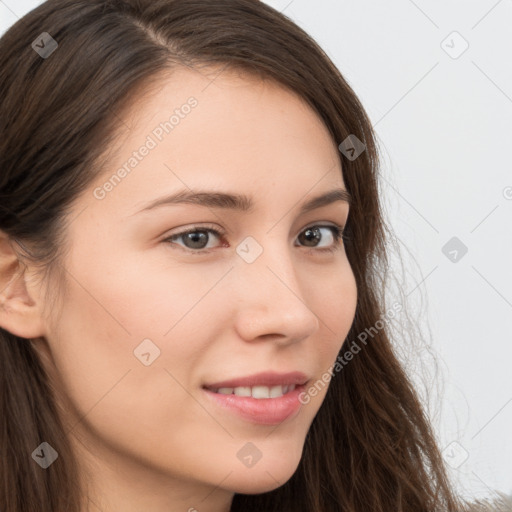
(263,411)
(268,378)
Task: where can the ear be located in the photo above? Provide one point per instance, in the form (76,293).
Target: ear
(20,307)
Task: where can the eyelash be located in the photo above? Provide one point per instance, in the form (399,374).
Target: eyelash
(337,231)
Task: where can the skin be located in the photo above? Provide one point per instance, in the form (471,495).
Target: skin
(146,437)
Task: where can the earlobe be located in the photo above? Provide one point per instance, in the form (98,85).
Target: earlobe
(20,311)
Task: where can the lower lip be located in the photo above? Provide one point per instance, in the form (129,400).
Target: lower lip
(265,411)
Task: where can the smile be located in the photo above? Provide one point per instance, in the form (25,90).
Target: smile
(256,391)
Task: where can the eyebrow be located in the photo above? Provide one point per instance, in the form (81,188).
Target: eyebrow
(240,202)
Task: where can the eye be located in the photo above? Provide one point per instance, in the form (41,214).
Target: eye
(313,234)
(195,240)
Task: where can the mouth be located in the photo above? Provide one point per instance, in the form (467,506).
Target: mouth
(260,385)
(257,392)
(264,399)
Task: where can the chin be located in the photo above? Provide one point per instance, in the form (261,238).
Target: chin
(263,478)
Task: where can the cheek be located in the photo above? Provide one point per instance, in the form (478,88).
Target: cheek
(107,316)
(115,401)
(156,297)
(336,301)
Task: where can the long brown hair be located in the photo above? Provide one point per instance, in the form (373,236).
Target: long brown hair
(370,447)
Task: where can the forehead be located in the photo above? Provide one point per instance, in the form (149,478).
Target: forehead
(220,128)
(234,108)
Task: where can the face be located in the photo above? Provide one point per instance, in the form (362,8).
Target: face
(153,315)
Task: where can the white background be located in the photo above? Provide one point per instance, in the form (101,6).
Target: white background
(444,124)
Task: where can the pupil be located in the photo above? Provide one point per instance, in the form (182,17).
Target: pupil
(195,238)
(312,235)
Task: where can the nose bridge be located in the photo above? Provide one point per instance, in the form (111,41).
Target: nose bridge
(270,298)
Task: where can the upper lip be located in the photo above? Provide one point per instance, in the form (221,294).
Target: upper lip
(262,379)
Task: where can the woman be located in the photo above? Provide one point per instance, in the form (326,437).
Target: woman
(145,369)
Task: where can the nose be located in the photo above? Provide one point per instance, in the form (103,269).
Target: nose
(270,299)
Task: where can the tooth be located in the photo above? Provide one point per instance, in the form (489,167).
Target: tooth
(243,391)
(260,392)
(276,391)
(257,391)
